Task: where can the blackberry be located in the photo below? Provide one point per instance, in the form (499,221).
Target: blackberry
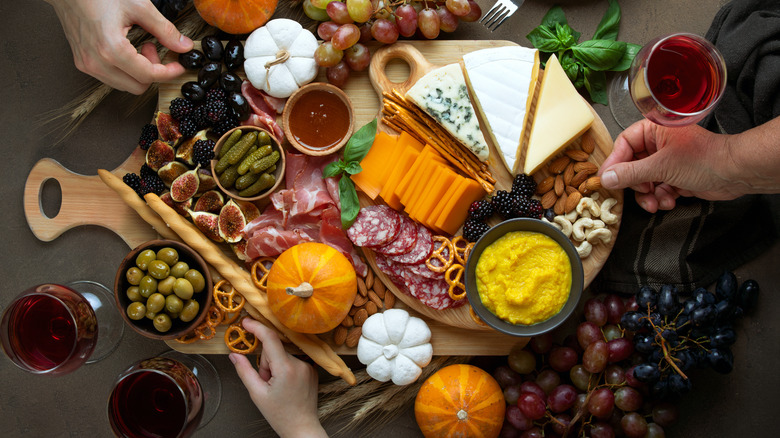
(216,94)
(181,108)
(536,210)
(188,127)
(473,230)
(146,172)
(505,204)
(523,207)
(135,183)
(148,135)
(225,125)
(203,152)
(524,185)
(480,210)
(153,184)
(199,117)
(216,111)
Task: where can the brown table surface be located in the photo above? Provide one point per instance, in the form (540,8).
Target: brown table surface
(38,75)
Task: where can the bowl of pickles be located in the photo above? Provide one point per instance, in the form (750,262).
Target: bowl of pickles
(163,289)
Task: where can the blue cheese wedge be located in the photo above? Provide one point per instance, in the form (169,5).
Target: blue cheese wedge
(503,80)
(443,95)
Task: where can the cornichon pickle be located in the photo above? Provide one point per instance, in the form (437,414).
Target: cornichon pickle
(265,181)
(245,181)
(251,158)
(263,138)
(230,142)
(265,162)
(236,152)
(228,177)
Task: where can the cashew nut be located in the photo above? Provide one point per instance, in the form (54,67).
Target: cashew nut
(578,228)
(584,249)
(572,216)
(602,234)
(587,204)
(606,215)
(595,196)
(598,224)
(563,224)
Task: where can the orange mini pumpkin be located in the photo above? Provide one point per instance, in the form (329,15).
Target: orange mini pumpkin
(460,401)
(236,16)
(311,287)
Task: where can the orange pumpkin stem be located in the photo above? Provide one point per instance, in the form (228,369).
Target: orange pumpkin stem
(462,415)
(303,290)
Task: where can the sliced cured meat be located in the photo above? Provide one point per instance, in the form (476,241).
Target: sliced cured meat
(374,226)
(421,250)
(422,270)
(432,293)
(403,242)
(393,272)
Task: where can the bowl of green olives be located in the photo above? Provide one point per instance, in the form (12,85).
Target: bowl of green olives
(163,289)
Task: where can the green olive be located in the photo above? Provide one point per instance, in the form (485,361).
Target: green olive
(190,311)
(155,302)
(136,311)
(165,286)
(133,294)
(147,286)
(179,269)
(144,257)
(173,304)
(159,269)
(150,314)
(162,322)
(168,255)
(173,315)
(134,276)
(183,289)
(196,279)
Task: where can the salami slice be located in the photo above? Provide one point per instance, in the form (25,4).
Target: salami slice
(393,272)
(432,293)
(421,250)
(374,226)
(403,242)
(422,270)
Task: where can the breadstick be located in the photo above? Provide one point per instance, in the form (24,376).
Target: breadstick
(313,346)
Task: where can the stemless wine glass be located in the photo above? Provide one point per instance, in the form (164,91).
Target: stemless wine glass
(674,80)
(54,329)
(171,395)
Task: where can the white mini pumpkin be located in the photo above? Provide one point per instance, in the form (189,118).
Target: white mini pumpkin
(394,345)
(279,57)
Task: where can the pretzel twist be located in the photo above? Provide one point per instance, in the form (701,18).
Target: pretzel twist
(454,277)
(259,265)
(205,331)
(438,255)
(462,249)
(228,300)
(239,340)
(214,316)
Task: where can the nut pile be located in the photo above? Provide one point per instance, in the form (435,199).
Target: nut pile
(573,177)
(372,297)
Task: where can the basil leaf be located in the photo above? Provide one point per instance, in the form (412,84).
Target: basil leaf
(596,84)
(610,23)
(353,167)
(563,34)
(544,39)
(570,66)
(628,57)
(350,206)
(554,16)
(360,143)
(333,169)
(600,54)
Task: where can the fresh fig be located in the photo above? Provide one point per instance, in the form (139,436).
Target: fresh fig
(231,222)
(185,186)
(170,171)
(239,249)
(250,210)
(184,152)
(168,128)
(207,223)
(158,154)
(207,181)
(211,201)
(181,207)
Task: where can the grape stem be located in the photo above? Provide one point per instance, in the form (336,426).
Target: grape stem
(659,337)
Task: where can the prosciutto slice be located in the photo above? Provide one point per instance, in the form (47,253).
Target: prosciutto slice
(264,109)
(303,212)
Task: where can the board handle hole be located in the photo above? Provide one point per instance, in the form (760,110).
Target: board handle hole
(397,70)
(50,198)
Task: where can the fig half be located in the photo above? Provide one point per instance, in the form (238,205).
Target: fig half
(180,207)
(207,223)
(185,151)
(158,154)
(185,186)
(211,201)
(231,222)
(170,171)
(168,128)
(250,210)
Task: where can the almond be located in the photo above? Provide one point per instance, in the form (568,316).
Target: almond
(389,300)
(353,311)
(348,322)
(587,143)
(359,300)
(379,288)
(375,298)
(353,337)
(548,199)
(371,308)
(360,317)
(579,178)
(571,201)
(577,155)
(340,335)
(593,183)
(559,164)
(546,185)
(571,189)
(559,185)
(362,286)
(560,204)
(370,279)
(586,166)
(568,174)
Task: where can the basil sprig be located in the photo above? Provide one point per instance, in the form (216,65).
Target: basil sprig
(585,63)
(356,149)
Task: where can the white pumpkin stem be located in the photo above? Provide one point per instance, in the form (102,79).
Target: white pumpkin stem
(462,415)
(303,290)
(281,57)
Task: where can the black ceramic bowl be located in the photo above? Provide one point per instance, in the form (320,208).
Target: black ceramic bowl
(145,326)
(533,225)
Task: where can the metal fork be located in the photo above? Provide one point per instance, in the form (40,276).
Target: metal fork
(502,10)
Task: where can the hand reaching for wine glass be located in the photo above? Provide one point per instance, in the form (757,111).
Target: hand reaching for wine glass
(661,164)
(281,387)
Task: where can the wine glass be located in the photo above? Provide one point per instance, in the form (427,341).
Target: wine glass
(171,395)
(54,329)
(674,80)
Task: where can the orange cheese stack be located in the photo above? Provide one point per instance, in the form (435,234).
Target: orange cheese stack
(415,178)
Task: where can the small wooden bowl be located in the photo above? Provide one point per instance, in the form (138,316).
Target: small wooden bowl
(289,107)
(145,326)
(278,173)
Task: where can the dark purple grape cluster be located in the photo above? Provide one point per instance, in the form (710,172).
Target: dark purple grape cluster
(170,8)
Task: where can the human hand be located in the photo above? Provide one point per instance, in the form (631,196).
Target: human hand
(97,33)
(283,388)
(661,164)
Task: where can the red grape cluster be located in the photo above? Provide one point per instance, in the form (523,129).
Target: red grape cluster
(346,26)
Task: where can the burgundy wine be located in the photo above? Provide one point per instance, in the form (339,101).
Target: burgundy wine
(148,404)
(43,332)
